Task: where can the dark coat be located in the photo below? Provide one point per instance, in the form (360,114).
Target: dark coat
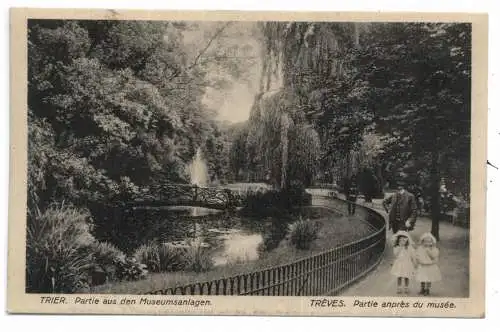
(351,188)
(352,191)
(408,210)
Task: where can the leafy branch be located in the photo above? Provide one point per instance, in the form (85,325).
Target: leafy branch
(202,52)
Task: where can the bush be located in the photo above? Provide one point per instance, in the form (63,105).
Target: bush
(106,260)
(171,258)
(160,258)
(58,258)
(197,258)
(147,254)
(276,203)
(130,269)
(303,233)
(275,234)
(295,195)
(262,203)
(167,258)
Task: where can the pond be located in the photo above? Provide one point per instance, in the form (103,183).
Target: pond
(229,237)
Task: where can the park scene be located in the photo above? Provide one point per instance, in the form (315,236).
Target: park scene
(248,158)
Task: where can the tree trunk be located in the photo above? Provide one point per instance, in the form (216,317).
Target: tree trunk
(435,184)
(356,35)
(348,164)
(284,152)
(264,74)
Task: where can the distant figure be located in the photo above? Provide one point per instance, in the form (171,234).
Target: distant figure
(368,185)
(351,195)
(404,264)
(427,257)
(402,209)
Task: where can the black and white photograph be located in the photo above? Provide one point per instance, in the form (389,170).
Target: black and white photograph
(256,158)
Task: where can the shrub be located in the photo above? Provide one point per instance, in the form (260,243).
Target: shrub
(265,204)
(295,195)
(111,264)
(274,235)
(58,257)
(160,258)
(106,260)
(197,258)
(130,269)
(171,258)
(276,203)
(147,254)
(303,233)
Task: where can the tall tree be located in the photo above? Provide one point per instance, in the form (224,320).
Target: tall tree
(302,74)
(119,104)
(419,79)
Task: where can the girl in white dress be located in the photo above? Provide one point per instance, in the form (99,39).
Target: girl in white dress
(427,256)
(404,264)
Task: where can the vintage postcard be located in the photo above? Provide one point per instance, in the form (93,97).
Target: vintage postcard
(247,163)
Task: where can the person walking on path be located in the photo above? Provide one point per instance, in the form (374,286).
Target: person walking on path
(402,209)
(427,257)
(351,195)
(404,264)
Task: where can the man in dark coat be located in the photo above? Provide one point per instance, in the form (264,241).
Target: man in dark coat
(402,209)
(351,194)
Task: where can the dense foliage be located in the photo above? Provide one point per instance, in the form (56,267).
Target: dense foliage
(57,252)
(287,125)
(420,90)
(113,106)
(376,100)
(118,107)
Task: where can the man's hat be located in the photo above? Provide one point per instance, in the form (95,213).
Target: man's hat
(400,179)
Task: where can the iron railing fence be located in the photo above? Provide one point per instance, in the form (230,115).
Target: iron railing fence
(326,273)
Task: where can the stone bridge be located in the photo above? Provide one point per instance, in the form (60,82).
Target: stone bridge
(186,194)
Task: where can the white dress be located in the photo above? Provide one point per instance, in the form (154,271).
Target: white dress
(403,265)
(427,270)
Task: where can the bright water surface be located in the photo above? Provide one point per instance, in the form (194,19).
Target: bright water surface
(229,238)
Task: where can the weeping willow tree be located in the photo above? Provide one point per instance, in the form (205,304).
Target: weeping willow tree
(292,115)
(276,140)
(302,52)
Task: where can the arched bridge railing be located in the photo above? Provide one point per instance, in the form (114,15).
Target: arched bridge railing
(185,194)
(326,273)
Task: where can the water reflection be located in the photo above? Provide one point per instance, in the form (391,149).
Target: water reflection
(229,237)
(194,211)
(238,248)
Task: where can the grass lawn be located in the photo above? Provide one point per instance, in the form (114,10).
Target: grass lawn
(336,230)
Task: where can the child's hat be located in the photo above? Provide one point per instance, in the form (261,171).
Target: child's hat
(428,236)
(396,236)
